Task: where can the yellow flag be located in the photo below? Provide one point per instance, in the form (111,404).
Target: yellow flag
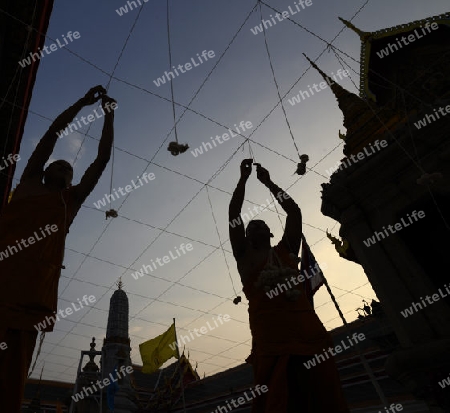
(157,351)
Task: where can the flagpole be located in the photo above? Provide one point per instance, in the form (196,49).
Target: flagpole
(369,371)
(179,366)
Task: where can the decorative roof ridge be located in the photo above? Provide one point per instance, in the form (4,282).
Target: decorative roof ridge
(368,37)
(408,26)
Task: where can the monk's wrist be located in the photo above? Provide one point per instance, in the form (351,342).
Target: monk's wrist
(243,180)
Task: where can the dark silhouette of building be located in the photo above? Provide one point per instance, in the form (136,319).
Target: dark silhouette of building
(393,203)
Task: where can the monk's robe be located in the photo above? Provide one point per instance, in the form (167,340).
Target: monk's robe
(29,275)
(282,332)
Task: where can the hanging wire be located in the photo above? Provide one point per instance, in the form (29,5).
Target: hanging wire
(220,242)
(111,75)
(276,83)
(170,66)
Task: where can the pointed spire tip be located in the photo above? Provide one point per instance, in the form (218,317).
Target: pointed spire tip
(362,34)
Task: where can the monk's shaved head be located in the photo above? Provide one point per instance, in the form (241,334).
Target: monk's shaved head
(257,228)
(59,173)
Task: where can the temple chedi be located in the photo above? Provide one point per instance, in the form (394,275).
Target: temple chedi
(116,350)
(114,364)
(391,194)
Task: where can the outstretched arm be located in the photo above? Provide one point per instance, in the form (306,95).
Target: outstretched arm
(293,231)
(95,170)
(45,147)
(236,226)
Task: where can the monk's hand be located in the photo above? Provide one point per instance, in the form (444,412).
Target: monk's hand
(262,174)
(246,168)
(93,95)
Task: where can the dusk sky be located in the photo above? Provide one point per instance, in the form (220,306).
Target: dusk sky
(190,194)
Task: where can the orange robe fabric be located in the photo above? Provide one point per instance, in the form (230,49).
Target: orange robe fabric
(282,329)
(29,277)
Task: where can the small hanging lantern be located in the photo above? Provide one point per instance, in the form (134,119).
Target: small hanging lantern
(176,148)
(301,167)
(111,213)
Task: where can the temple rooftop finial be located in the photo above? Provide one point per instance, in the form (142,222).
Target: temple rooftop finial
(363,35)
(337,89)
(352,106)
(119,283)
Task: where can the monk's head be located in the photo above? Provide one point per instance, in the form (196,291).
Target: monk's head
(258,232)
(59,174)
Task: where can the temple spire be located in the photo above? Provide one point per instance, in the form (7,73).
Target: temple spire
(351,105)
(337,89)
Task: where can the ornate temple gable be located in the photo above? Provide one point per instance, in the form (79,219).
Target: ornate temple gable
(395,66)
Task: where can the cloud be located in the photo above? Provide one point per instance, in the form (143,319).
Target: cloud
(75,143)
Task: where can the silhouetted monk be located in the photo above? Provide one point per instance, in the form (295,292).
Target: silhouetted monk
(285,329)
(33,228)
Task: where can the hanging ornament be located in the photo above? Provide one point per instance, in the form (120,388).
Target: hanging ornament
(275,273)
(301,167)
(111,213)
(176,148)
(429,179)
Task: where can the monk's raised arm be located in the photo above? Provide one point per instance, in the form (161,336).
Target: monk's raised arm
(44,148)
(236,226)
(95,170)
(293,231)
